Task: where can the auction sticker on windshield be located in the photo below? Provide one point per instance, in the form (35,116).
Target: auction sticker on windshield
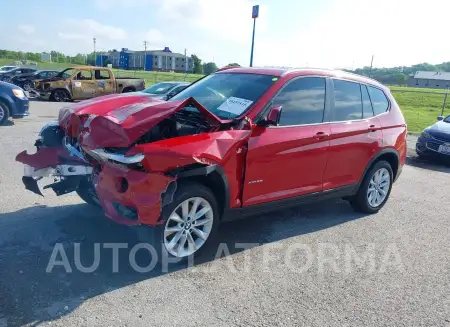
(235,105)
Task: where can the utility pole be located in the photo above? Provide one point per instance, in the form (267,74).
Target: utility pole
(371,65)
(95,52)
(185,62)
(255,13)
(145,55)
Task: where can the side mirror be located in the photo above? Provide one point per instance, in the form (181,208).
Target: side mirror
(439,118)
(273,116)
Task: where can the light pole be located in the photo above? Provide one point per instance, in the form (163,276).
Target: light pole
(145,55)
(255,13)
(95,53)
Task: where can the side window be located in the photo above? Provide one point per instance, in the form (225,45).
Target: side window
(367,105)
(51,74)
(303,101)
(43,75)
(379,101)
(102,74)
(84,75)
(347,101)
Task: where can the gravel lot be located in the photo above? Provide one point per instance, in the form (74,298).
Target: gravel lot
(308,276)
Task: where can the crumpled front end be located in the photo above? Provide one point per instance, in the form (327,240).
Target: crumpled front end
(55,158)
(133,197)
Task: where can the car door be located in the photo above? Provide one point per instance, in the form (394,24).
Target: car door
(105,82)
(83,85)
(289,159)
(355,134)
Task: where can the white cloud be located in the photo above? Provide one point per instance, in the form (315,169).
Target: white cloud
(110,4)
(79,35)
(154,36)
(223,19)
(27,29)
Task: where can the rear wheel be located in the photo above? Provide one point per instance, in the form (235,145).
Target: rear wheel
(4,113)
(375,189)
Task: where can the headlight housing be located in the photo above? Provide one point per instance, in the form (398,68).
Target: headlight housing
(426,135)
(19,93)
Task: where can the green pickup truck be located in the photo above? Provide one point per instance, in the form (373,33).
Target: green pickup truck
(85,82)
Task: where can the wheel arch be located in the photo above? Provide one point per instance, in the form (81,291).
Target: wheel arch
(212,176)
(62,89)
(390,155)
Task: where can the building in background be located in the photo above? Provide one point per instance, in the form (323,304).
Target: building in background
(46,57)
(156,60)
(431,80)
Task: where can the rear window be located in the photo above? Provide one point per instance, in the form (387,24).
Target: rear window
(347,101)
(380,103)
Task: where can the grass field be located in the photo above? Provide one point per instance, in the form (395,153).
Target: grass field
(420,106)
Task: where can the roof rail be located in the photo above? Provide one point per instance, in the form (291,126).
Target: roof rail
(227,67)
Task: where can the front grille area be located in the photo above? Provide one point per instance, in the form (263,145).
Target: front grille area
(433,146)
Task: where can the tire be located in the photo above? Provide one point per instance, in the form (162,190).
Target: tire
(27,86)
(4,113)
(128,90)
(361,201)
(60,96)
(86,192)
(158,237)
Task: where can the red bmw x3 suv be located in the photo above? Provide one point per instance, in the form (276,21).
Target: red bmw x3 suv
(240,141)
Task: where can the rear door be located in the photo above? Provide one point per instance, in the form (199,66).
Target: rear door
(105,82)
(355,134)
(288,160)
(83,85)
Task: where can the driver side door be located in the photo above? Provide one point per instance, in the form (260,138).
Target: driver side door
(288,160)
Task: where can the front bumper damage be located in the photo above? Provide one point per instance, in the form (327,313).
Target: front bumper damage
(133,197)
(53,162)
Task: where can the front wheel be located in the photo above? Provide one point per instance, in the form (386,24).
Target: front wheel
(4,113)
(375,189)
(190,225)
(60,96)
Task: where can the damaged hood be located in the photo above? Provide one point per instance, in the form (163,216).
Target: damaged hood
(119,120)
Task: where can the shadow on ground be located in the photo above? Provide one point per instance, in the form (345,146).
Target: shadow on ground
(30,295)
(436,164)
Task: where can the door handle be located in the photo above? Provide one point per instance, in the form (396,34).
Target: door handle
(321,135)
(373,128)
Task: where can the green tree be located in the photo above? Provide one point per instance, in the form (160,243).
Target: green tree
(233,64)
(209,68)
(198,67)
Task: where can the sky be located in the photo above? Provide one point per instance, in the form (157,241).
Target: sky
(289,33)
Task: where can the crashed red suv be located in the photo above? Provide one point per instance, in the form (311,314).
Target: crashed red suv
(237,142)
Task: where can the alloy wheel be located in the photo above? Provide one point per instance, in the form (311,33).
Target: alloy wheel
(2,113)
(378,187)
(188,227)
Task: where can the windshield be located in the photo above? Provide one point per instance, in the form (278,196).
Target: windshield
(159,88)
(66,73)
(6,68)
(447,119)
(228,95)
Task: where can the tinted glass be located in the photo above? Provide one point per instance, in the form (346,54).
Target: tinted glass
(347,101)
(159,88)
(379,101)
(367,105)
(303,102)
(228,95)
(42,75)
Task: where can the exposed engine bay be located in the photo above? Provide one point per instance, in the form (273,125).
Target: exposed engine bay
(184,122)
